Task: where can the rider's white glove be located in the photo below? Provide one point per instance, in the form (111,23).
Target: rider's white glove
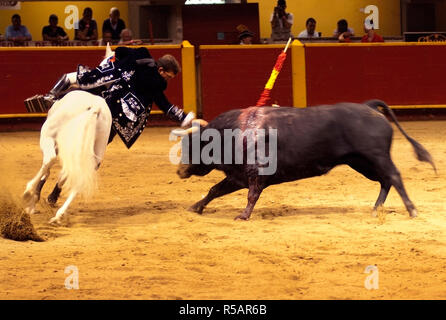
(188,120)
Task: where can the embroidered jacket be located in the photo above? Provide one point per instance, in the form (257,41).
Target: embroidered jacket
(130,85)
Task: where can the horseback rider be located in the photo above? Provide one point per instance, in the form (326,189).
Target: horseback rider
(129,82)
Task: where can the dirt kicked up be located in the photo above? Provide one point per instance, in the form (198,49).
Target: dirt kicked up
(308,239)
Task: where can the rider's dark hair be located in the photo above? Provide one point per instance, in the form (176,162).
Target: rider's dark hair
(169,63)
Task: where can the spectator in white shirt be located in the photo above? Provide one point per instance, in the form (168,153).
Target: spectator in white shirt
(310,31)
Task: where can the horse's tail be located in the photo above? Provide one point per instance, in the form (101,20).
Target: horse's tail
(75,143)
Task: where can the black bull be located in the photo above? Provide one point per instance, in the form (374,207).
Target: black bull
(310,142)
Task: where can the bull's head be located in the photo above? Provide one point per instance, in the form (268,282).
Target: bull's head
(191,146)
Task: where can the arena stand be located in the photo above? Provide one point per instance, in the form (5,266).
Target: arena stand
(75,43)
(69,43)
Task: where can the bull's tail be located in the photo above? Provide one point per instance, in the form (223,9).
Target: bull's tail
(421,153)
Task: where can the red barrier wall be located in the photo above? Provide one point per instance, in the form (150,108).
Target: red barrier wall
(234,78)
(29,71)
(399,74)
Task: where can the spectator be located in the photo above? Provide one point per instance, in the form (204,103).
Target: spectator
(106,38)
(52,32)
(88,28)
(113,24)
(17,32)
(127,38)
(343,33)
(245,36)
(370,34)
(281,22)
(309,32)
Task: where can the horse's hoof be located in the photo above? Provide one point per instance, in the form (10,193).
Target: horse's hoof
(241,217)
(27,196)
(54,220)
(414,213)
(51,202)
(30,211)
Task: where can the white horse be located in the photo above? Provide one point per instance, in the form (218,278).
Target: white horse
(77,131)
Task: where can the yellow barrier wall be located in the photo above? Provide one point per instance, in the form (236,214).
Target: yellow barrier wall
(189,77)
(298,74)
(328,12)
(35,15)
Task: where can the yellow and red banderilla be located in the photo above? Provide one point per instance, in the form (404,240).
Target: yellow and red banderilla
(266,94)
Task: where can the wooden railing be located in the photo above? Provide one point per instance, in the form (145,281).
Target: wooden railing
(74,43)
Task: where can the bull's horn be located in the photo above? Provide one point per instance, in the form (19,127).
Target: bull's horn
(183,133)
(195,124)
(108,51)
(200,122)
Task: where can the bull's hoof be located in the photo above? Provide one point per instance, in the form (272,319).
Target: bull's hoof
(241,217)
(378,212)
(196,209)
(413,213)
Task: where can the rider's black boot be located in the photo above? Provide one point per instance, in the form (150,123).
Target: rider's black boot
(55,93)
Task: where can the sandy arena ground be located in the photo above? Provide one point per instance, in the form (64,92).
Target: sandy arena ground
(309,239)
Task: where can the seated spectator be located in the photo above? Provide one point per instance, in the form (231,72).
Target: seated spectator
(343,33)
(281,22)
(309,32)
(88,28)
(53,32)
(106,38)
(127,38)
(17,32)
(113,24)
(370,34)
(245,36)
